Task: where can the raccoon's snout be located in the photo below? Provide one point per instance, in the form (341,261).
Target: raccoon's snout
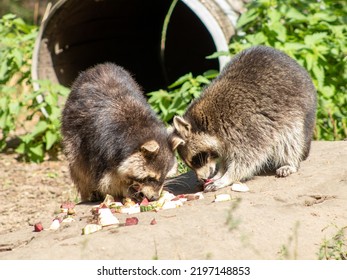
(206,176)
(135,193)
(138,193)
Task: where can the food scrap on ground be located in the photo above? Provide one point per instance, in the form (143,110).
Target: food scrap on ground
(103,214)
(131,221)
(239,187)
(55,224)
(106,218)
(109,206)
(90,228)
(38,227)
(222,197)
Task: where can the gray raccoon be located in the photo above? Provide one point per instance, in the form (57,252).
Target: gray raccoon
(259,112)
(114,142)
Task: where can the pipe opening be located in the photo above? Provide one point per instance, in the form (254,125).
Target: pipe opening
(79,34)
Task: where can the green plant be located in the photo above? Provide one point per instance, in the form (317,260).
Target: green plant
(336,247)
(231,221)
(16,44)
(45,137)
(315,34)
(175,100)
(9,112)
(18,100)
(290,250)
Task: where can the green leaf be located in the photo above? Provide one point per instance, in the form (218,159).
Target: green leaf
(202,80)
(211,74)
(3,72)
(310,59)
(311,40)
(318,71)
(294,46)
(14,108)
(181,80)
(246,17)
(51,139)
(39,129)
(295,15)
(218,54)
(3,120)
(328,91)
(21,148)
(17,57)
(274,15)
(257,39)
(37,150)
(280,30)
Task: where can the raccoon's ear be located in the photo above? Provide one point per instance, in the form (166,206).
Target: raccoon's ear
(176,141)
(183,127)
(150,148)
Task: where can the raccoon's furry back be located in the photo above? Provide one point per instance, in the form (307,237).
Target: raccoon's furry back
(259,111)
(258,95)
(99,99)
(106,119)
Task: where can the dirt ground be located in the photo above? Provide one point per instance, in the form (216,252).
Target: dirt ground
(279,218)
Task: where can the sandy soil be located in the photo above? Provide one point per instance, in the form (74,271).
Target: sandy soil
(280,218)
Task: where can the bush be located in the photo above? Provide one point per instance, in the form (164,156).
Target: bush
(174,101)
(315,34)
(312,32)
(18,99)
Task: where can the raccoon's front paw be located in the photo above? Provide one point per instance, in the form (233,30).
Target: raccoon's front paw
(286,170)
(211,186)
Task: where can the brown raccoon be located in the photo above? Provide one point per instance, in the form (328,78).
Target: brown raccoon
(259,112)
(114,142)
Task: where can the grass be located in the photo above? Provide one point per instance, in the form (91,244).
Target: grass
(334,248)
(289,251)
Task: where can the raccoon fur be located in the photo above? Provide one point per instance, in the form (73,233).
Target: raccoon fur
(114,143)
(258,113)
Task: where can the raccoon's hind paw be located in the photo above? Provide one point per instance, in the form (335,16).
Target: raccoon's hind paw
(286,170)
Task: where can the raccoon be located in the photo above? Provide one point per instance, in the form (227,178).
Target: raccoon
(258,113)
(114,143)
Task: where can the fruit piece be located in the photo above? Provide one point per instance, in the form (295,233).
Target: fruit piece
(222,197)
(108,200)
(130,209)
(115,204)
(194,196)
(153,222)
(144,202)
(239,187)
(207,182)
(55,224)
(71,211)
(179,197)
(172,204)
(146,208)
(90,228)
(106,218)
(128,202)
(68,220)
(38,227)
(65,206)
(131,221)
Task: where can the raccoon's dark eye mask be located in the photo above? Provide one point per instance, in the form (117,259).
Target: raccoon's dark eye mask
(200,159)
(146,180)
